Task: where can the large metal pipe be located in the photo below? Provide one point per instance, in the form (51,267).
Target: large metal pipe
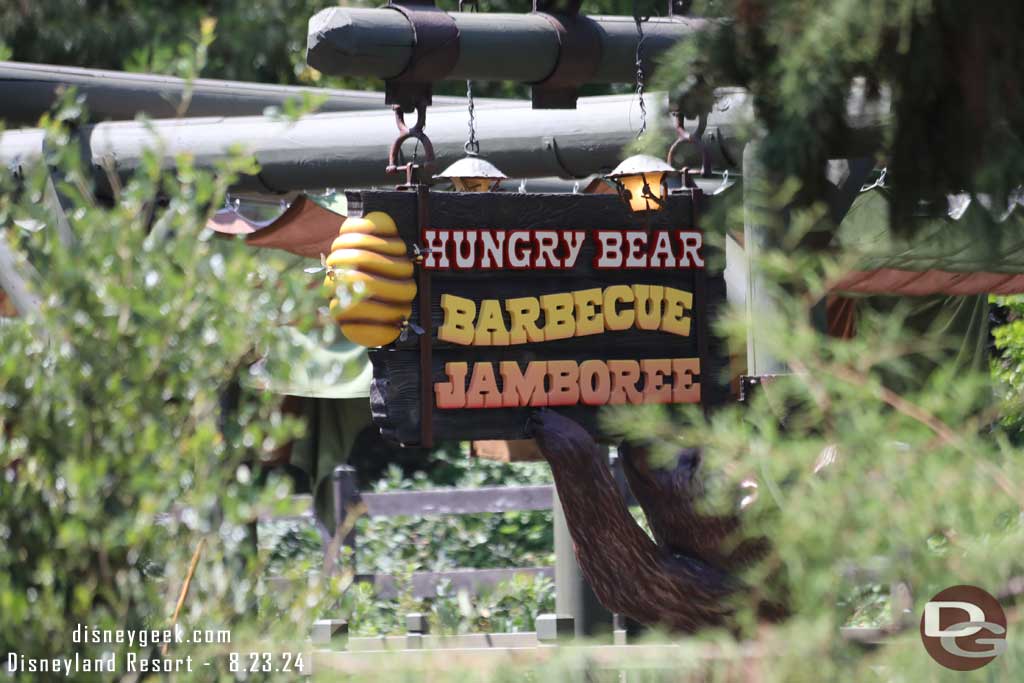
(355,41)
(29,90)
(350,150)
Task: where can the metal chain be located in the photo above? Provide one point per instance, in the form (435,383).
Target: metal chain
(472,146)
(640,68)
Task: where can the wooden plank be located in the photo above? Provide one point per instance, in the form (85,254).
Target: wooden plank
(424,584)
(486,499)
(465,641)
(686,661)
(458,501)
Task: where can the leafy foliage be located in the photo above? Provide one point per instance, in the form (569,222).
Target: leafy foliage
(917,485)
(1008,365)
(258,41)
(119,455)
(511,539)
(262,41)
(948,71)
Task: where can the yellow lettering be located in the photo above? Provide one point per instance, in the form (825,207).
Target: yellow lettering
(674,318)
(648,306)
(490,325)
(588,320)
(613,318)
(558,320)
(457,326)
(523,314)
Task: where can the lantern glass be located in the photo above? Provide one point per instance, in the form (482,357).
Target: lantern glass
(643,198)
(640,180)
(474,184)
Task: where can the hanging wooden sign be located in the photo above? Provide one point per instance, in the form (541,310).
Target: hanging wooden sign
(564,301)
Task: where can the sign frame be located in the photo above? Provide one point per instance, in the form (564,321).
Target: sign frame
(407,414)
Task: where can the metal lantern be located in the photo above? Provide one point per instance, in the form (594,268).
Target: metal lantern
(473,174)
(640,181)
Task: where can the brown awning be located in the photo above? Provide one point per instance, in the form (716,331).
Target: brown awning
(7,309)
(305,228)
(896,282)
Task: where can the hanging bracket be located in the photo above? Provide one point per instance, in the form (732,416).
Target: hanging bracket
(435,51)
(416,132)
(579,54)
(695,138)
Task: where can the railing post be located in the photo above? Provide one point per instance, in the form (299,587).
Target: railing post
(416,625)
(619,634)
(345,491)
(331,633)
(553,629)
(901,602)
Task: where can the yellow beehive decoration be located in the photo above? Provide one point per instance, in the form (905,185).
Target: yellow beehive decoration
(369,255)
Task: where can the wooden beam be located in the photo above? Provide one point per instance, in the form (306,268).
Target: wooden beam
(349,150)
(30,90)
(458,501)
(425,584)
(493,46)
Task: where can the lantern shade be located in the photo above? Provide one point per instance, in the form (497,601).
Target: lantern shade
(472,174)
(640,180)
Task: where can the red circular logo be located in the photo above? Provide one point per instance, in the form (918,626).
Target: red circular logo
(963,628)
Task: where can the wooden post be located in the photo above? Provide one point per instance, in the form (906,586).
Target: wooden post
(416,626)
(619,634)
(901,604)
(330,633)
(555,628)
(759,233)
(345,491)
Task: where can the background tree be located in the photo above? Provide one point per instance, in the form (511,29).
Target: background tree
(262,41)
(948,71)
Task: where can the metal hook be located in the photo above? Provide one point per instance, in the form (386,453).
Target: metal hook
(725,182)
(405,133)
(696,139)
(879,181)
